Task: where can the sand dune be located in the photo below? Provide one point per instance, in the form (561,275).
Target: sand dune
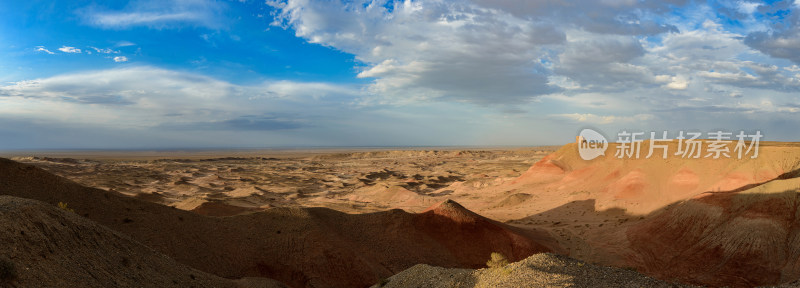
(302,247)
(356,182)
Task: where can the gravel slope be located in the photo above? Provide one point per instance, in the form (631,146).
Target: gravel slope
(44,246)
(539,270)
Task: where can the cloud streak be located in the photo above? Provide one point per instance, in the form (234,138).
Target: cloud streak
(105,51)
(67,49)
(42,49)
(135,96)
(157,14)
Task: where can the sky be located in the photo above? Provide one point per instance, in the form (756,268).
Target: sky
(161,74)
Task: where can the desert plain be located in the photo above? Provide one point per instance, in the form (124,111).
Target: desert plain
(422,217)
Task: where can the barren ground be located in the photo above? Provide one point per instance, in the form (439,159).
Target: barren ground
(716,222)
(337,179)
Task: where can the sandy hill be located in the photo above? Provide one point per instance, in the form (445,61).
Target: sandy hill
(714,222)
(313,247)
(44,246)
(540,270)
(644,185)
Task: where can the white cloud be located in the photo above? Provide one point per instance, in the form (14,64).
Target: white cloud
(120,59)
(67,49)
(124,44)
(609,62)
(121,20)
(432,49)
(603,62)
(105,51)
(781,37)
(138,97)
(42,49)
(620,17)
(584,58)
(678,83)
(157,14)
(178,109)
(747,7)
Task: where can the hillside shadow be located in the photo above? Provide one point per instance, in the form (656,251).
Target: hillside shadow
(788,175)
(724,238)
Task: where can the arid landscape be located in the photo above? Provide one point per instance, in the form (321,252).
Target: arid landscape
(399,143)
(355,182)
(321,218)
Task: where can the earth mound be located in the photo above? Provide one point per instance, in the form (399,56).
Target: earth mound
(472,236)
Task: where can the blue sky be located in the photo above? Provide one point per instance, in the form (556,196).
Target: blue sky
(144,74)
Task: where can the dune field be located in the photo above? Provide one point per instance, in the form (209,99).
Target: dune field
(353,219)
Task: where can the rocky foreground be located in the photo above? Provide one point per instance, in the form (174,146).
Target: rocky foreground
(540,270)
